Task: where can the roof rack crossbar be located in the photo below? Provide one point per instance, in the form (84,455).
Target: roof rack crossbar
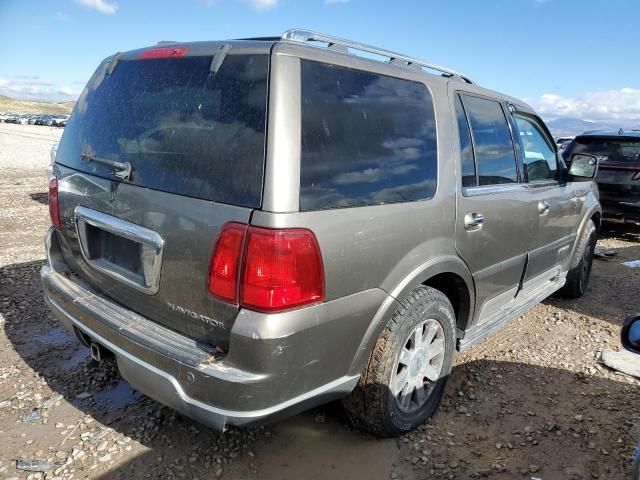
(340,44)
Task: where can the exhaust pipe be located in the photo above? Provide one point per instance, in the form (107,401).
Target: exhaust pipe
(98,352)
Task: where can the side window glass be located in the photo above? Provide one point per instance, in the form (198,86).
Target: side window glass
(492,144)
(539,156)
(467,164)
(367,139)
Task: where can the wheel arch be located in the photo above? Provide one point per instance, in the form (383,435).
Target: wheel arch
(455,289)
(448,274)
(591,211)
(451,276)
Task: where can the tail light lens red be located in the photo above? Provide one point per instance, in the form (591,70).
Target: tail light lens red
(225,263)
(273,270)
(282,269)
(54,208)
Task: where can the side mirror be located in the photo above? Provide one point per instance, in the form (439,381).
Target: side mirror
(583,167)
(630,334)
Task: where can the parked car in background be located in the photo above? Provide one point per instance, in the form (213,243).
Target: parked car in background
(561,142)
(60,121)
(255,227)
(618,171)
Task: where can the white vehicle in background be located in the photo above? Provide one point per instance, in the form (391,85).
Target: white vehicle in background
(60,121)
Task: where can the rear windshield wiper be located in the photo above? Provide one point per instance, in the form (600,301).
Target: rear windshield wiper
(122,169)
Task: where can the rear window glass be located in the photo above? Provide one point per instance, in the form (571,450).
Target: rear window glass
(366,139)
(606,149)
(467,164)
(182,128)
(492,144)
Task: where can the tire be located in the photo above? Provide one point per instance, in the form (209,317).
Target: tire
(580,268)
(402,354)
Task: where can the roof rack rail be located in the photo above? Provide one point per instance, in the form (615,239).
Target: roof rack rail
(343,46)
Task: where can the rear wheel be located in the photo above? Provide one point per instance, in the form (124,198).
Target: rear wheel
(580,269)
(403,382)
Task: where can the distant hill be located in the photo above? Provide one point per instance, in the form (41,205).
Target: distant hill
(569,127)
(10,105)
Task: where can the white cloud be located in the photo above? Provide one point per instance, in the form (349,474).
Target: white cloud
(103,6)
(335,2)
(23,87)
(263,4)
(623,104)
(67,91)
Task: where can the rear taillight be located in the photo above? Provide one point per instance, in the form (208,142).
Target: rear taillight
(273,270)
(282,269)
(225,263)
(54,209)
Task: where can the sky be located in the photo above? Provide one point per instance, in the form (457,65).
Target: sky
(567,58)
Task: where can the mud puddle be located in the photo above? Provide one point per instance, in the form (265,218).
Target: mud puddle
(302,448)
(118,396)
(78,357)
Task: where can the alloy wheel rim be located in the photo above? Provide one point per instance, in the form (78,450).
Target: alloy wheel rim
(418,366)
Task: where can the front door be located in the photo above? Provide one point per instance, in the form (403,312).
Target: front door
(493,226)
(553,203)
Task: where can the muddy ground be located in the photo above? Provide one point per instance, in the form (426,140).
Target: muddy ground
(531,401)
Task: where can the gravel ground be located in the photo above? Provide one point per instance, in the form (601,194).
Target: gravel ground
(26,146)
(530,401)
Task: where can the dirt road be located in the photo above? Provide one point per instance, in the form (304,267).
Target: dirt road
(531,401)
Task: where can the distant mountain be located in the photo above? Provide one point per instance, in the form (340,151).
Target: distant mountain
(10,105)
(569,127)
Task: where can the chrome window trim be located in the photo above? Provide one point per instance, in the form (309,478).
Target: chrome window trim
(493,189)
(152,247)
(544,184)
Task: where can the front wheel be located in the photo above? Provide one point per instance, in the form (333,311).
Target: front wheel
(403,381)
(580,268)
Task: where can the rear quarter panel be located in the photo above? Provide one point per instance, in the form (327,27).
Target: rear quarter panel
(367,247)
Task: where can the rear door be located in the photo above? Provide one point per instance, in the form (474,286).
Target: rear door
(553,203)
(493,225)
(158,154)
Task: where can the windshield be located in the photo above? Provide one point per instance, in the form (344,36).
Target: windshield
(182,128)
(615,150)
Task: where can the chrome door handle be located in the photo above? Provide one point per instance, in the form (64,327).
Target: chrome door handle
(473,221)
(543,207)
